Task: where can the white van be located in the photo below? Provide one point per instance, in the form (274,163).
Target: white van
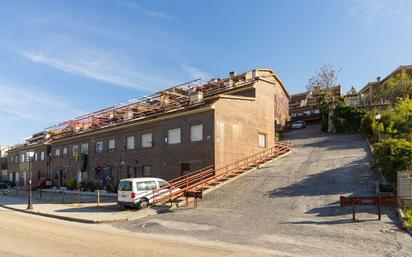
(138,192)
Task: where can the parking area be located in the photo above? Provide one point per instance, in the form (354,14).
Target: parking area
(291,205)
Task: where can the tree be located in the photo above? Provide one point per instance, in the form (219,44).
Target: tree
(322,85)
(352,91)
(396,88)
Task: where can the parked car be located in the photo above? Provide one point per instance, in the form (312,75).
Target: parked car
(138,192)
(298,124)
(4,184)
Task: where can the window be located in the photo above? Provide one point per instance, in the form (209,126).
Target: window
(174,136)
(147,171)
(316,111)
(42,156)
(57,153)
(16,159)
(85,149)
(75,150)
(262,140)
(99,147)
(130,172)
(112,145)
(147,140)
(196,133)
(184,168)
(130,143)
(35,156)
(125,186)
(11,159)
(65,152)
(147,185)
(163,183)
(22,156)
(307,113)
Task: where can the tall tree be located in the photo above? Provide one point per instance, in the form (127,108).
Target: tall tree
(352,91)
(395,88)
(322,85)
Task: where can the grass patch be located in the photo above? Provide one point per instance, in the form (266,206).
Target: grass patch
(408,217)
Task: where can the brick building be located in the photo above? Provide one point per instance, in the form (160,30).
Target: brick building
(173,132)
(304,106)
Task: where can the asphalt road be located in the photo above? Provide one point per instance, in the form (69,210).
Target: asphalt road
(291,205)
(29,235)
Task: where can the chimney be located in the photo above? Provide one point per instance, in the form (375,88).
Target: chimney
(232,74)
(378,79)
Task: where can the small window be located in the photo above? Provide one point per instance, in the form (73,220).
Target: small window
(85,149)
(16,159)
(57,153)
(130,143)
(163,183)
(147,171)
(42,156)
(99,147)
(262,140)
(147,185)
(174,136)
(22,157)
(184,168)
(147,140)
(64,152)
(11,159)
(125,186)
(316,111)
(35,157)
(196,133)
(75,150)
(112,145)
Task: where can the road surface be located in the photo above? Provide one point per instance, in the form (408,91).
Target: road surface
(292,205)
(29,235)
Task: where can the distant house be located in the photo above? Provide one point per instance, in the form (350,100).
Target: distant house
(352,100)
(368,95)
(304,106)
(3,162)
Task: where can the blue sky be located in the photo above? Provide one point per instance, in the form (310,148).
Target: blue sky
(60,59)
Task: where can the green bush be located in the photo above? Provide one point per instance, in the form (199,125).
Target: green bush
(393,155)
(408,217)
(347,119)
(87,186)
(71,184)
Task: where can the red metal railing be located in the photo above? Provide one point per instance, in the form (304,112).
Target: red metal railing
(201,179)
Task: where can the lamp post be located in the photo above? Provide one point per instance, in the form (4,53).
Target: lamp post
(378,118)
(30,155)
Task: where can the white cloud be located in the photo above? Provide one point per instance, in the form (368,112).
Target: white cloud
(98,67)
(32,105)
(376,15)
(151,13)
(193,72)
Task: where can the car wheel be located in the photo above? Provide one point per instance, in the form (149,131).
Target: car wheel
(144,203)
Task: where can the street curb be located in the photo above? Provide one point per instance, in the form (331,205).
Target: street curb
(80,220)
(401,216)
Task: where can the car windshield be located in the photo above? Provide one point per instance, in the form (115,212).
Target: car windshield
(146,185)
(125,186)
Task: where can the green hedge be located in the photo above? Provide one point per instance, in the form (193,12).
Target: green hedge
(347,119)
(393,155)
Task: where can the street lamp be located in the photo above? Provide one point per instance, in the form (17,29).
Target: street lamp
(378,118)
(30,155)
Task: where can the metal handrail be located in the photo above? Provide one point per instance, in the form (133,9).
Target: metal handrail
(200,180)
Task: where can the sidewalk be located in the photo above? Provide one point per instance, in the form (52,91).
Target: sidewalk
(107,212)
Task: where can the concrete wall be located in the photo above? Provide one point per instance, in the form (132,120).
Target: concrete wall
(165,159)
(239,120)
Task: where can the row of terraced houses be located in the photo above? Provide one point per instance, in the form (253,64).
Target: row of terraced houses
(178,130)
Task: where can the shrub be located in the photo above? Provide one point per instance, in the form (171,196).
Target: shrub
(71,184)
(393,155)
(87,186)
(347,118)
(408,217)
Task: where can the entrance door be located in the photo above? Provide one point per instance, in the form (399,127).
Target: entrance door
(185,168)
